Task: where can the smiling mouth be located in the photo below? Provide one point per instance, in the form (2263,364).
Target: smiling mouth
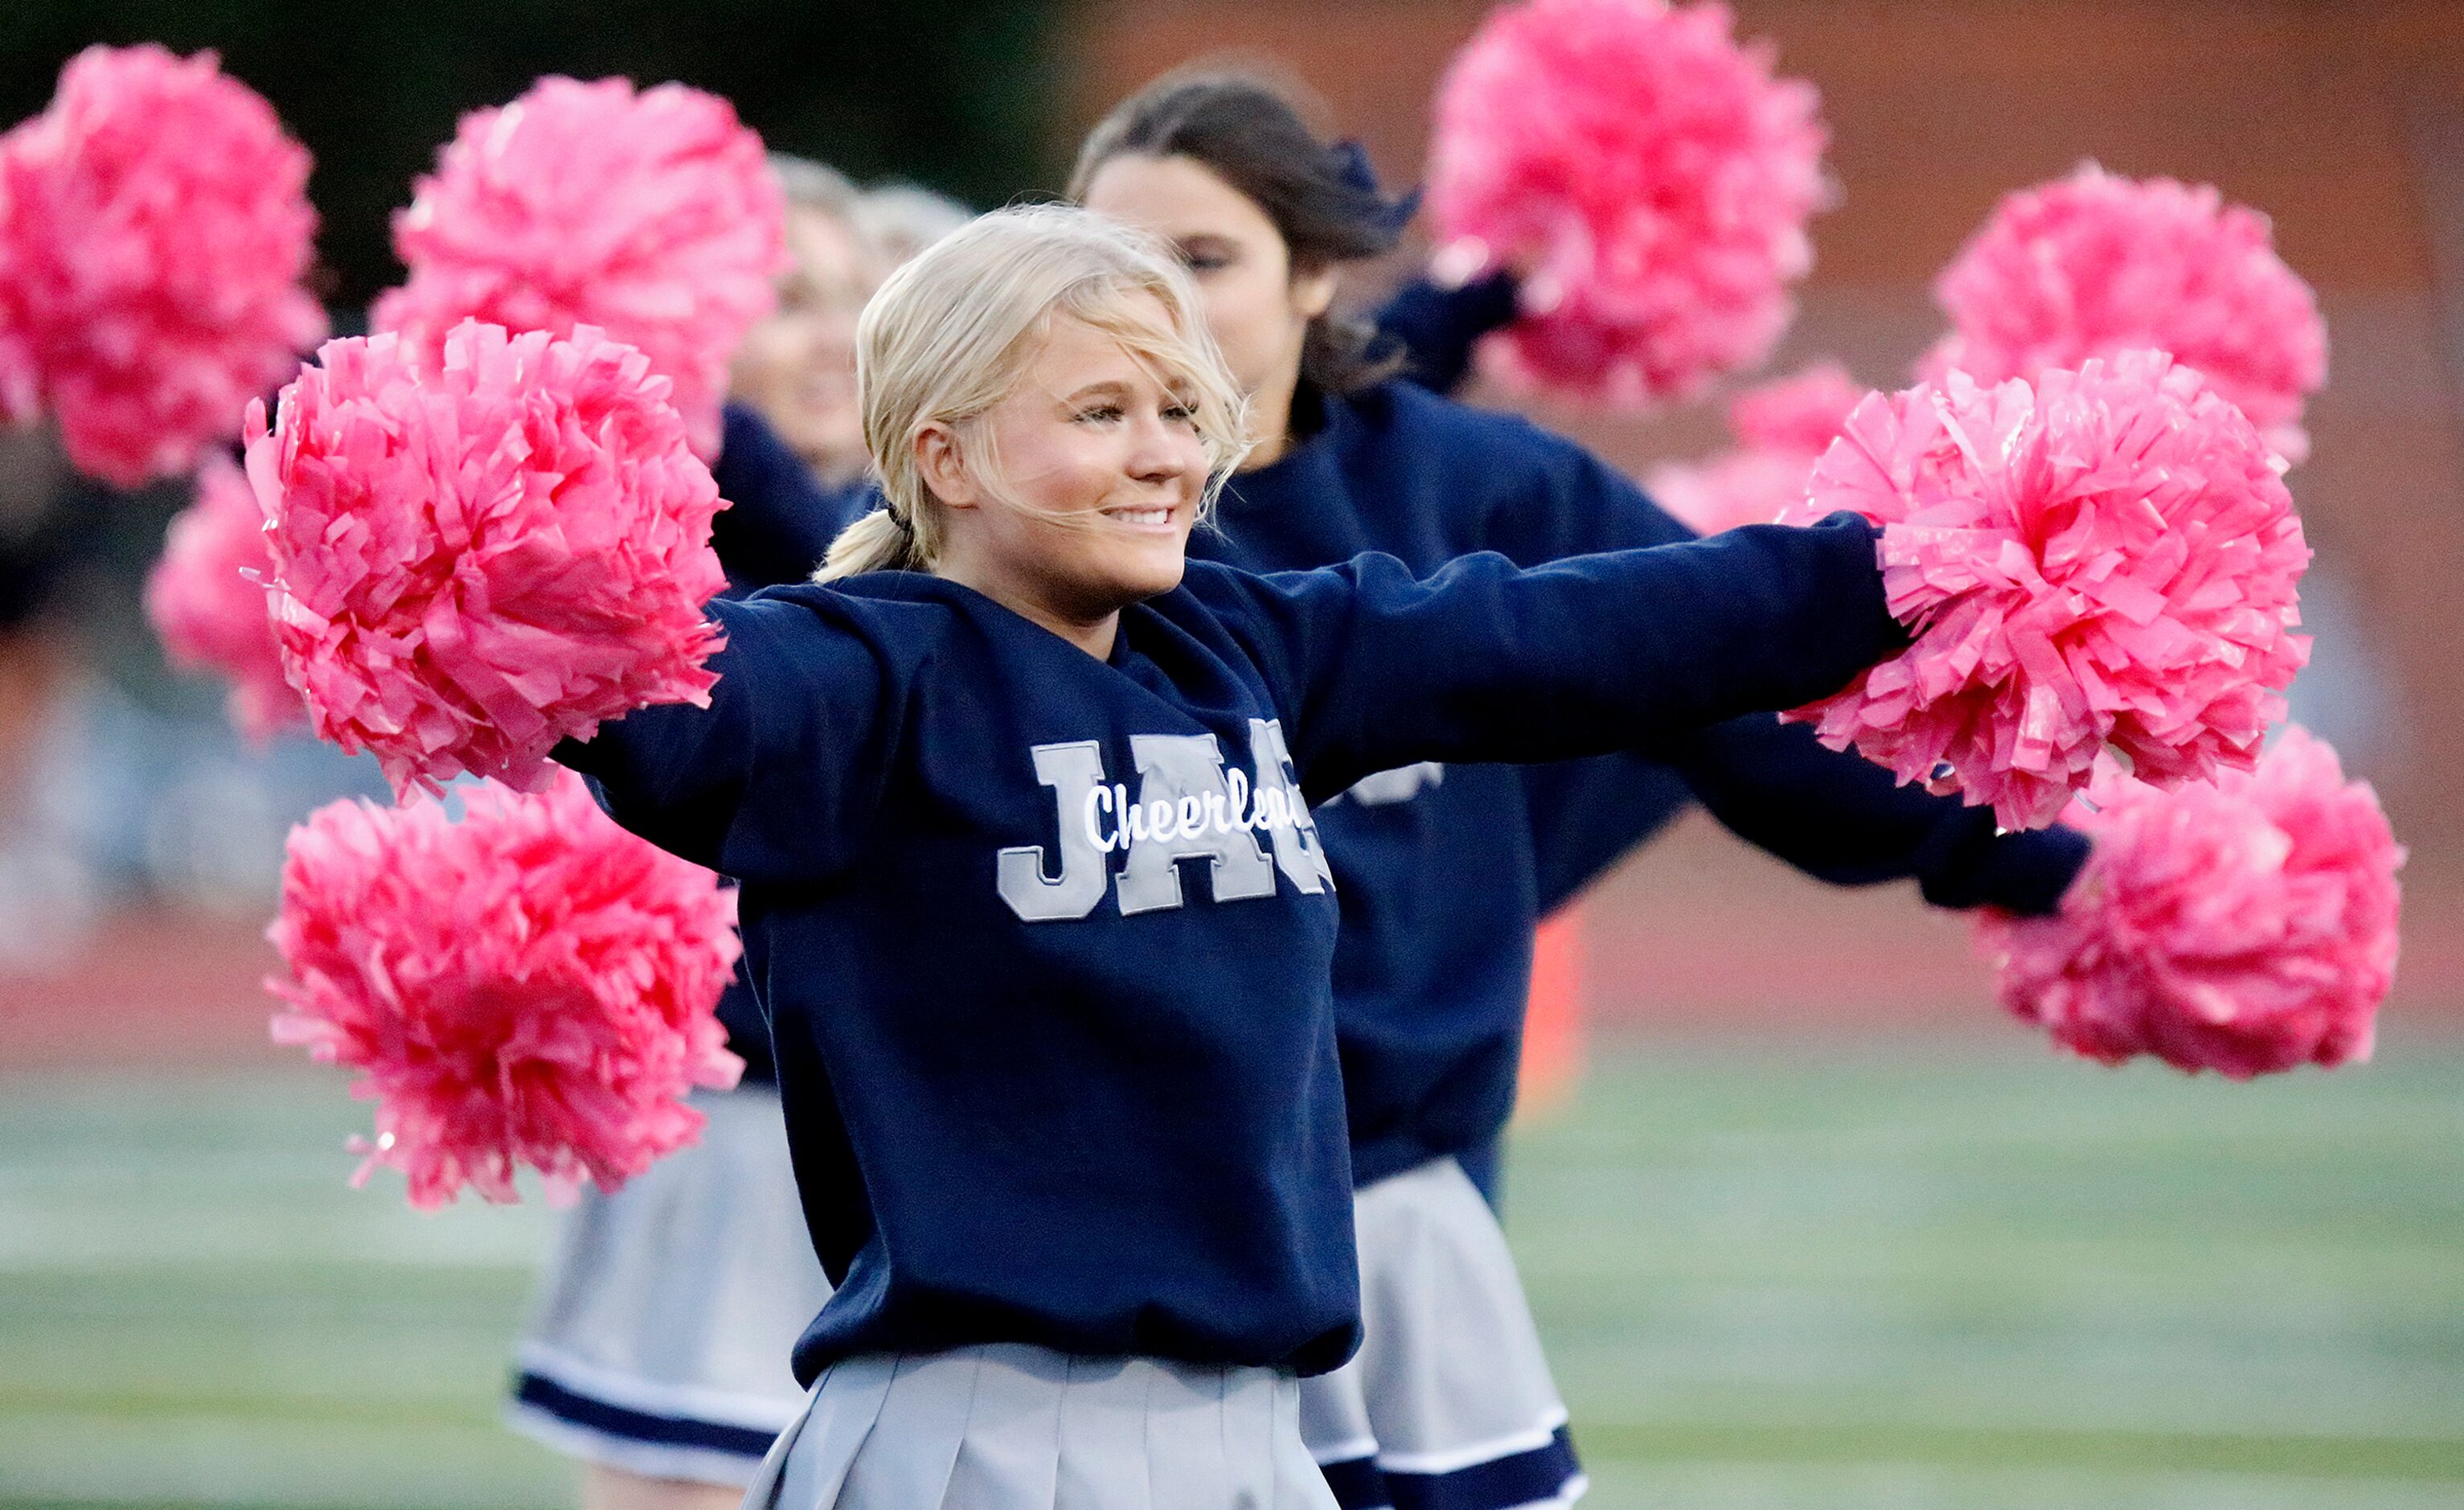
(1148,514)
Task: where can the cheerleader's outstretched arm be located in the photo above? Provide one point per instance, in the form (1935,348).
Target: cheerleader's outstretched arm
(778,777)
(1482,661)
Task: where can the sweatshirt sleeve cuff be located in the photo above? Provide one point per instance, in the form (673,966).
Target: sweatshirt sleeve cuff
(2028,873)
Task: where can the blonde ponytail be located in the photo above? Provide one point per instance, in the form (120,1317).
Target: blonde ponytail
(875,543)
(949,334)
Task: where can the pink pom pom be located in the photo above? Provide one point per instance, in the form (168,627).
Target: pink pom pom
(653,216)
(21,380)
(475,566)
(2245,928)
(1650,174)
(207,599)
(2106,559)
(1783,428)
(158,233)
(1800,413)
(530,986)
(2094,265)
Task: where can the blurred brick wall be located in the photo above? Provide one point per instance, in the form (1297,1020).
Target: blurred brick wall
(2345,122)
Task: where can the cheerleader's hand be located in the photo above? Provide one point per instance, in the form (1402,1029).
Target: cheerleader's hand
(1647,178)
(653,215)
(2245,928)
(2095,265)
(473,561)
(530,986)
(2103,560)
(155,245)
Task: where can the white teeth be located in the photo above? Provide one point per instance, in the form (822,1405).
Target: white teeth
(1142,516)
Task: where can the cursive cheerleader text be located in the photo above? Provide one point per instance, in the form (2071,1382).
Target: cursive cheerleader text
(1187,807)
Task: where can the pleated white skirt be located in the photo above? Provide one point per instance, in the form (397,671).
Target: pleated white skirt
(1449,1402)
(1010,1427)
(659,1343)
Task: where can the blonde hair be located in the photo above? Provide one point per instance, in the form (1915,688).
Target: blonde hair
(948,336)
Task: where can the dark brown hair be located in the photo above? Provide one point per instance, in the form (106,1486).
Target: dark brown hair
(1322,197)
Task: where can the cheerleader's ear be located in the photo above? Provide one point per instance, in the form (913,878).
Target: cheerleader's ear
(941,462)
(1313,291)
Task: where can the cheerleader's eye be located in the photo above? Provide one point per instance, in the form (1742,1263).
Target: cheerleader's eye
(1208,253)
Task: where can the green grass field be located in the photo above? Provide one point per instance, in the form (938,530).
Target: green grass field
(1965,1276)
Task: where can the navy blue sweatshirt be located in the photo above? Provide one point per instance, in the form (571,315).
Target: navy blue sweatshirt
(777,527)
(1435,330)
(1046,941)
(781,519)
(1444,872)
(1845,829)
